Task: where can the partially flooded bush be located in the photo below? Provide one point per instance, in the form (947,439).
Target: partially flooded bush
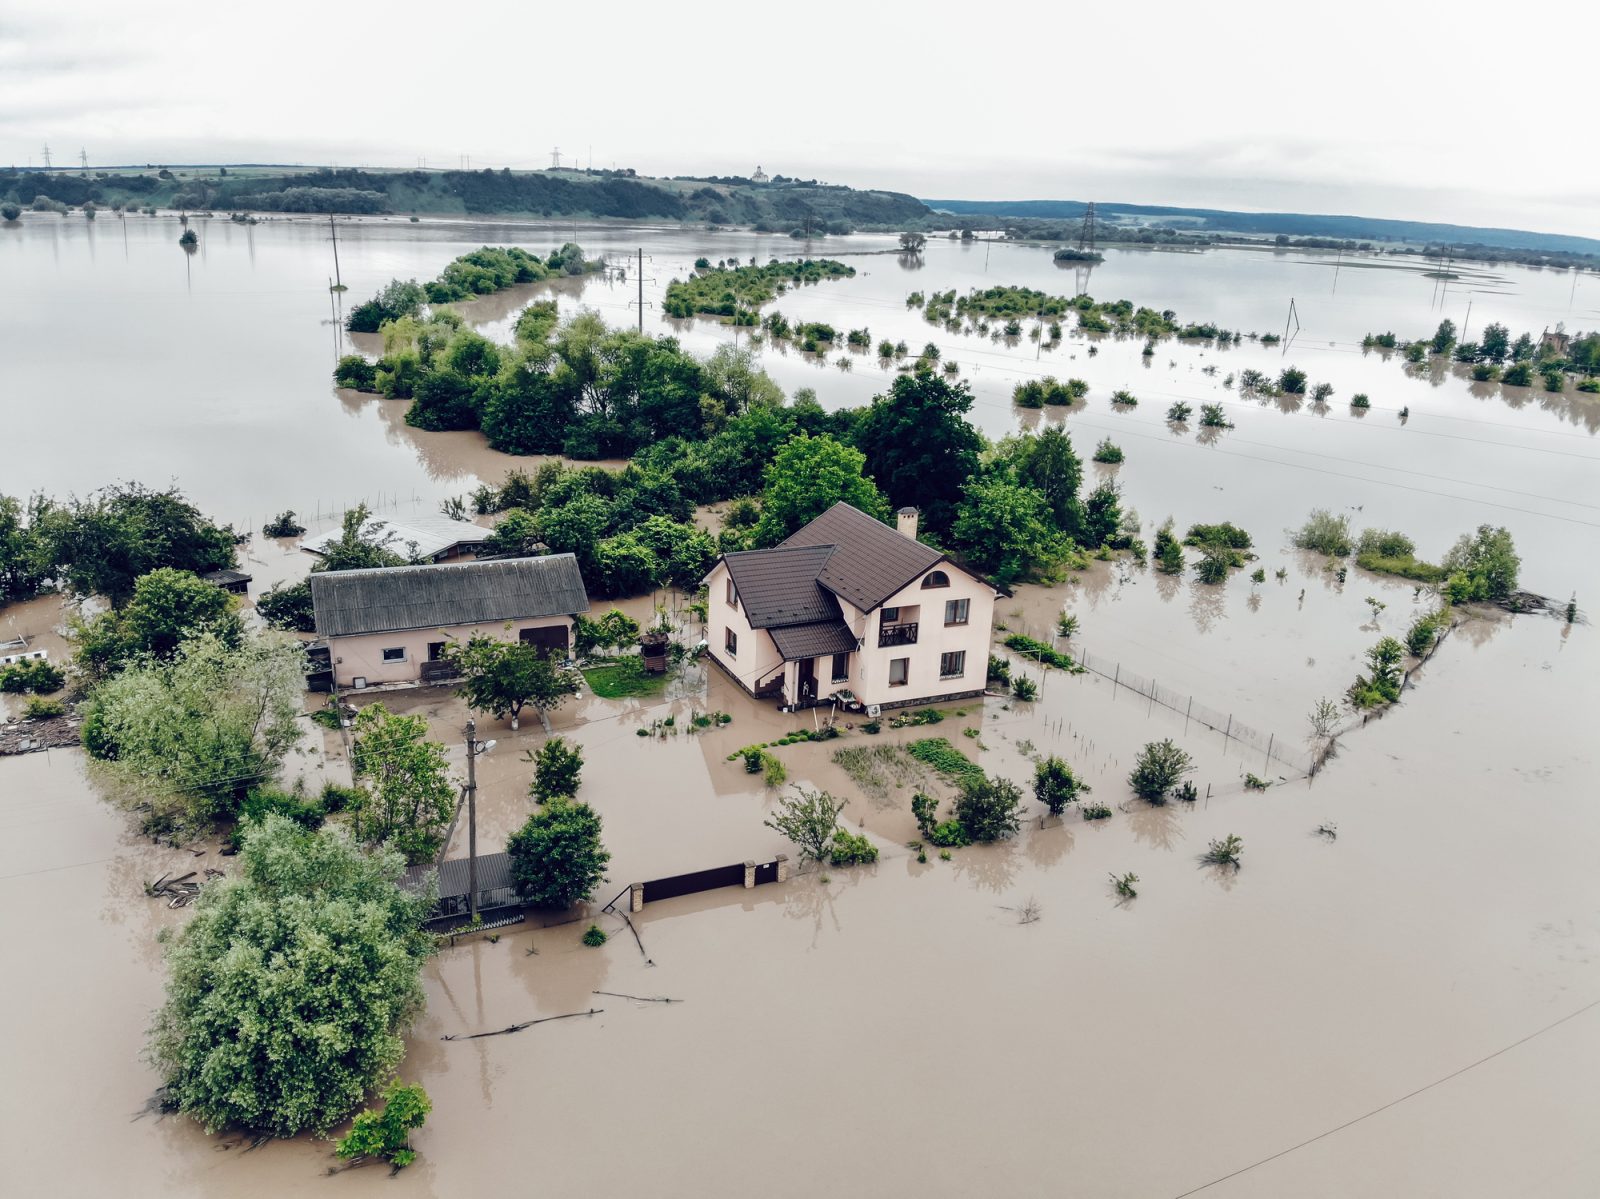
(1225,852)
(851,849)
(1159,767)
(987,809)
(1325,533)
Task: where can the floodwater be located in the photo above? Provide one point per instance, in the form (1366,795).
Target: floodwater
(1427,975)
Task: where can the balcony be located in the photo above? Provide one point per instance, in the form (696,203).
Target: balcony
(897,634)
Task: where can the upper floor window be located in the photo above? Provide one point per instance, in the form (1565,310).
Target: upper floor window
(936,578)
(890,616)
(730,642)
(733,595)
(955,611)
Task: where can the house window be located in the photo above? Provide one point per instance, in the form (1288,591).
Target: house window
(730,642)
(890,616)
(955,611)
(954,665)
(396,654)
(733,595)
(841,667)
(935,578)
(899,671)
(436,651)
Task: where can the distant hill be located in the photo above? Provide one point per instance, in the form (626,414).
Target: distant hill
(1293,224)
(778,204)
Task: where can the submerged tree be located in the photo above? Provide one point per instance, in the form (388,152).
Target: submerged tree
(1160,766)
(292,986)
(556,857)
(407,797)
(386,1134)
(502,677)
(808,821)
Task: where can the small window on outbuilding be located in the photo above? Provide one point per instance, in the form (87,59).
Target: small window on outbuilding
(395,654)
(936,578)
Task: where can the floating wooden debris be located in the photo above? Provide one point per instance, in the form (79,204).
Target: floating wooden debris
(178,891)
(501,1032)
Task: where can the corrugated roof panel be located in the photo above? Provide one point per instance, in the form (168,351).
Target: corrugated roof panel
(352,602)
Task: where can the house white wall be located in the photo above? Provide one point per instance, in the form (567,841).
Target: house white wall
(757,658)
(934,638)
(363,656)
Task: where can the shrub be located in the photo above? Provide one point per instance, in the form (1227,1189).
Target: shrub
(1212,416)
(1095,811)
(952,834)
(10,212)
(1124,884)
(1321,393)
(1488,372)
(594,936)
(1518,374)
(1124,399)
(987,809)
(1186,791)
(1224,852)
(851,849)
(1482,566)
(1252,783)
(1325,533)
(773,771)
(1107,452)
(752,760)
(1360,400)
(557,767)
(1169,554)
(1179,412)
(31,674)
(1386,543)
(999,670)
(387,1134)
(925,811)
(1381,685)
(1055,785)
(809,821)
(1426,630)
(355,372)
(1292,381)
(556,857)
(1160,765)
(1040,652)
(1227,535)
(1213,565)
(1554,380)
(1024,688)
(43,709)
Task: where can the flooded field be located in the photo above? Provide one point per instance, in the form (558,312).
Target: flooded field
(1407,1008)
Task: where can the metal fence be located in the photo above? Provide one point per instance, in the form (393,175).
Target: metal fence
(1277,748)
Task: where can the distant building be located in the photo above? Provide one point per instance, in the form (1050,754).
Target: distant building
(236,582)
(848,610)
(432,538)
(1554,345)
(760,176)
(391,624)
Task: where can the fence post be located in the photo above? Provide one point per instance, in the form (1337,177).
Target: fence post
(1118,676)
(1271,737)
(783,867)
(749,875)
(1228,732)
(636,897)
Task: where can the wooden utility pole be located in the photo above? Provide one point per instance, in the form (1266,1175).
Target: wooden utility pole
(472,819)
(338,281)
(641,289)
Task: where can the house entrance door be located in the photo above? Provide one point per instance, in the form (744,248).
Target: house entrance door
(808,680)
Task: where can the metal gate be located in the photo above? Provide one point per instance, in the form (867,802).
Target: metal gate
(698,880)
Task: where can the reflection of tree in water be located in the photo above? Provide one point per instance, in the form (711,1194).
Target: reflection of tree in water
(1254,602)
(1208,435)
(1206,604)
(1226,878)
(809,898)
(990,867)
(1479,630)
(1167,586)
(1048,845)
(1154,825)
(1289,402)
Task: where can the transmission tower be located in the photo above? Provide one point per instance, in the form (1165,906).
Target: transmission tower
(83,158)
(1086,233)
(47,156)
(555,159)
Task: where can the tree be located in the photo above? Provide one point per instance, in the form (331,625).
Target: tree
(1496,344)
(808,821)
(556,857)
(988,809)
(167,607)
(732,376)
(1004,528)
(809,476)
(1168,553)
(1382,684)
(913,243)
(25,557)
(557,767)
(1157,770)
(516,533)
(184,741)
(288,608)
(102,544)
(291,987)
(1046,462)
(1444,337)
(386,1134)
(1292,381)
(357,547)
(919,447)
(407,797)
(10,211)
(1482,566)
(1055,785)
(1102,514)
(501,677)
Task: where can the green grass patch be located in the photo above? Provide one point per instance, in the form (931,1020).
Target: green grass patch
(1406,566)
(945,759)
(1040,652)
(623,679)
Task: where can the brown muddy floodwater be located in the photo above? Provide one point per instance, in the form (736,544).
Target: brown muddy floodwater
(1403,1010)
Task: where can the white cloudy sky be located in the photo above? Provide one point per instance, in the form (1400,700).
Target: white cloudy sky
(1468,113)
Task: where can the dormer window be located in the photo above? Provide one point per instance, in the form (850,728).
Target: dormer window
(935,578)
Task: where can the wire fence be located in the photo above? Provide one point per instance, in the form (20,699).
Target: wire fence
(1274,747)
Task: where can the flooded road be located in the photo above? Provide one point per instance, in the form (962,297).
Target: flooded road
(1441,952)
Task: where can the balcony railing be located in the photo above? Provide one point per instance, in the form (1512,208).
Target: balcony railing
(897,634)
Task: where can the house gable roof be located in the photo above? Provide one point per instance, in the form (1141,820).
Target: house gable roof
(780,586)
(391,599)
(870,561)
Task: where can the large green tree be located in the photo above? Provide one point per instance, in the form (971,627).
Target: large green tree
(184,741)
(809,476)
(406,797)
(919,447)
(1046,462)
(25,557)
(556,857)
(292,985)
(358,548)
(1005,530)
(167,607)
(502,677)
(103,544)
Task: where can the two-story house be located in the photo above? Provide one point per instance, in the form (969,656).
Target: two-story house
(849,609)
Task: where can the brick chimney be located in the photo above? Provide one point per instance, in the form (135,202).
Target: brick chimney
(906,522)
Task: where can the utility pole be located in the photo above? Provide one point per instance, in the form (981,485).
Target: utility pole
(1467,323)
(472,819)
(337,279)
(47,156)
(641,289)
(1086,233)
(83,157)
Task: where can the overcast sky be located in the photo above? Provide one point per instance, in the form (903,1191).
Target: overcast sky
(1468,113)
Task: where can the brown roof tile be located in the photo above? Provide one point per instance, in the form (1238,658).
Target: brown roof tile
(779,586)
(812,640)
(870,561)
